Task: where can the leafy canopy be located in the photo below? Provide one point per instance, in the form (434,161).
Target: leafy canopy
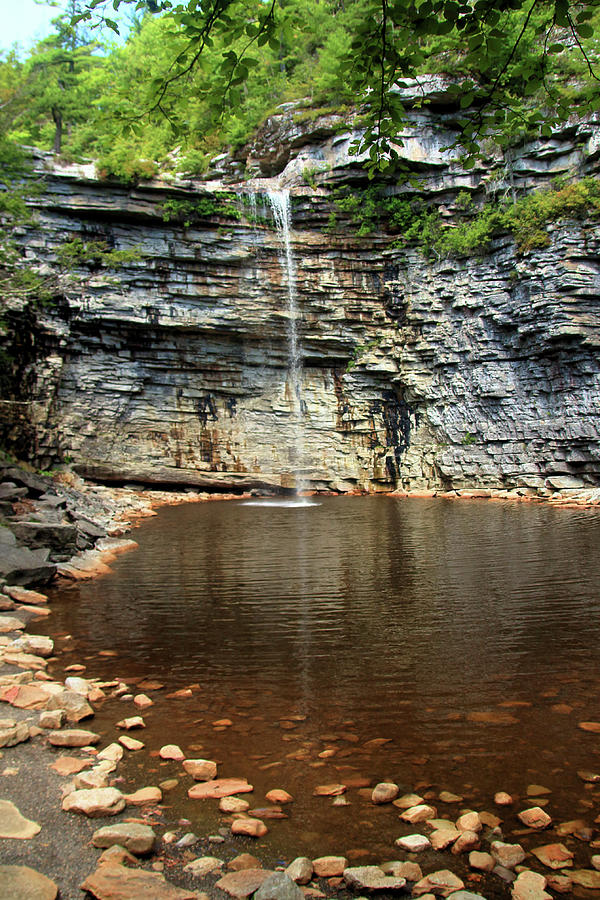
(192,78)
(505,55)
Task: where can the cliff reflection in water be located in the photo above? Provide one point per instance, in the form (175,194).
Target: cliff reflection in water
(380,596)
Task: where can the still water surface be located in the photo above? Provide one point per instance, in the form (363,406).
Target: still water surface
(320,628)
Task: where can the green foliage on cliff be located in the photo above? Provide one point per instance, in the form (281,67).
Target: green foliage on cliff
(526,219)
(192,79)
(18,185)
(93,255)
(415,223)
(187,212)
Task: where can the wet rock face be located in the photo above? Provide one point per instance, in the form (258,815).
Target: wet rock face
(416,373)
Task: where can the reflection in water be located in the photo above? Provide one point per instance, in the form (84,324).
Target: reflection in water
(286,504)
(369,618)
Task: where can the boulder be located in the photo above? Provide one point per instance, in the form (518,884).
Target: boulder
(507,855)
(535,818)
(420,813)
(14,825)
(114,882)
(24,883)
(200,769)
(113,753)
(483,862)
(413,843)
(300,870)
(408,800)
(90,778)
(60,538)
(469,821)
(249,826)
(279,796)
(467,841)
(78,685)
(117,855)
(278,886)
(233,805)
(70,765)
(22,566)
(36,644)
(25,696)
(36,484)
(203,865)
(144,795)
(95,803)
(411,871)
(134,837)
(329,866)
(73,737)
(441,883)
(130,743)
(587,878)
(74,705)
(385,792)
(10,623)
(22,595)
(243,883)
(443,837)
(372,878)
(530,886)
(169,751)
(13,732)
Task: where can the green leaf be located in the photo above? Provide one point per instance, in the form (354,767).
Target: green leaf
(584,30)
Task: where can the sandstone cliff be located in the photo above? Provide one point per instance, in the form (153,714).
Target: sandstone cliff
(416,372)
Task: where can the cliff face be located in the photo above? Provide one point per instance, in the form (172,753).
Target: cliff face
(415,372)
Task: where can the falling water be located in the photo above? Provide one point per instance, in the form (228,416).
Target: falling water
(280,205)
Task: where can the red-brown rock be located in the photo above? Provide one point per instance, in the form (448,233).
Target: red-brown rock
(219,787)
(113,882)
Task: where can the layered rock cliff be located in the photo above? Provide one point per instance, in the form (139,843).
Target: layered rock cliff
(416,372)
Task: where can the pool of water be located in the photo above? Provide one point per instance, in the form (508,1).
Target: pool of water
(437,644)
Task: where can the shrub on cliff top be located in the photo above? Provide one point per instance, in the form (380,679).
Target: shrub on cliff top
(417,224)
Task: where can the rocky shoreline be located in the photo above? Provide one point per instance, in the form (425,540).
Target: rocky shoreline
(48,852)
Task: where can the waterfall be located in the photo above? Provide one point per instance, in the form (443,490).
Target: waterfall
(280,206)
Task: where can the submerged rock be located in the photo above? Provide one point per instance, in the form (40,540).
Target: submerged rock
(219,787)
(555,856)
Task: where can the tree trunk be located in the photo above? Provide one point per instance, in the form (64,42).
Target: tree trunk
(57,116)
